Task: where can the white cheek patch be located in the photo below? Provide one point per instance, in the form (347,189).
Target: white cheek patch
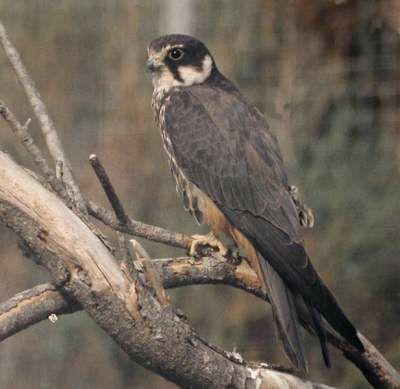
(191,75)
(163,79)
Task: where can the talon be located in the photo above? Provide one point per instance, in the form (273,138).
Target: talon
(207,240)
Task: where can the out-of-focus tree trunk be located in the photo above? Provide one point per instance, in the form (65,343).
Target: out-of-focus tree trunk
(177,16)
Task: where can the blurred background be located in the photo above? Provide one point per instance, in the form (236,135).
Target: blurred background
(327,75)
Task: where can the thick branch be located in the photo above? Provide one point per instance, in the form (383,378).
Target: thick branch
(178,272)
(85,271)
(36,304)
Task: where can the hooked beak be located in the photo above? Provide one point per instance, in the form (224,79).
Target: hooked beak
(152,65)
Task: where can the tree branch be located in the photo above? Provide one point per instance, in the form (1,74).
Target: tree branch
(85,271)
(31,306)
(21,131)
(108,189)
(40,110)
(179,272)
(36,304)
(139,229)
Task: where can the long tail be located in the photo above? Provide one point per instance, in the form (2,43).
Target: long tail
(285,315)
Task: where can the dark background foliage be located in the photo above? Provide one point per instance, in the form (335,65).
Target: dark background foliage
(327,75)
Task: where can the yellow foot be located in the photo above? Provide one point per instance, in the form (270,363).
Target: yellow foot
(207,240)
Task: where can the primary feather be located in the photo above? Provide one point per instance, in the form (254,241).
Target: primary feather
(222,144)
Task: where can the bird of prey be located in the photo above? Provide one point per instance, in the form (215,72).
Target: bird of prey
(229,171)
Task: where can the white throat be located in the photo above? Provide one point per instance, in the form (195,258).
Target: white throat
(190,75)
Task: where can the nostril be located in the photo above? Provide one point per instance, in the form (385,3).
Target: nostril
(151,66)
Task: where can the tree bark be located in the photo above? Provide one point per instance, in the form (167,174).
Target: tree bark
(85,271)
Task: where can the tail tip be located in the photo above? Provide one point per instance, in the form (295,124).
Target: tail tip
(325,355)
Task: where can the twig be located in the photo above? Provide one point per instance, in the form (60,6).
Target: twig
(108,189)
(46,123)
(139,229)
(115,203)
(33,150)
(151,273)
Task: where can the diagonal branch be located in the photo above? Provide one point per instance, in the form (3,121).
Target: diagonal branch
(55,181)
(108,189)
(85,271)
(33,150)
(46,124)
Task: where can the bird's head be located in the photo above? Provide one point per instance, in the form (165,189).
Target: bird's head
(178,60)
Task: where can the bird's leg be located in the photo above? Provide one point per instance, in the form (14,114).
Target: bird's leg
(207,240)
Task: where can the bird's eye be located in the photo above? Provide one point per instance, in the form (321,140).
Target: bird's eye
(175,54)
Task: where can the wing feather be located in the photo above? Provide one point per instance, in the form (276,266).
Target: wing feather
(223,145)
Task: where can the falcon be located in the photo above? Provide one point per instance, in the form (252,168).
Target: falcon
(230,174)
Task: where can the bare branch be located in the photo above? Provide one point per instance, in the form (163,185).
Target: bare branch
(124,223)
(139,229)
(84,270)
(33,150)
(178,272)
(115,203)
(40,110)
(31,306)
(108,189)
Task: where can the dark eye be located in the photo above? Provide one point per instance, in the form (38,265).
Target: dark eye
(176,54)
